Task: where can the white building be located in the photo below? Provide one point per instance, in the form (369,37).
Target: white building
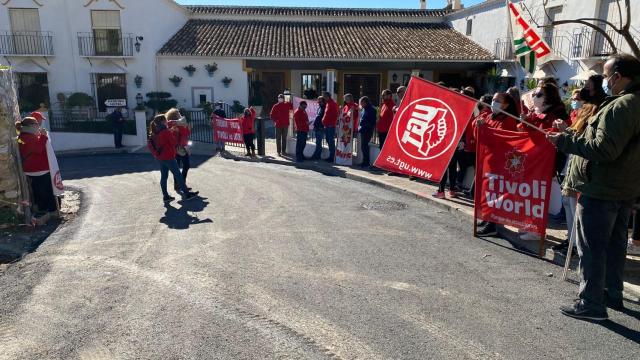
(100,47)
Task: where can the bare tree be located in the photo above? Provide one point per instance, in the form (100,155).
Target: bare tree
(600,25)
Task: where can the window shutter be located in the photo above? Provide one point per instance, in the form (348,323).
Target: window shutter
(105,19)
(24,20)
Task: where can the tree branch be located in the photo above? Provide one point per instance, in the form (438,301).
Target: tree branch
(593,26)
(619,12)
(627,23)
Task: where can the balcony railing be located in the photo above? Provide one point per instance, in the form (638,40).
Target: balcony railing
(504,49)
(26,43)
(590,43)
(113,44)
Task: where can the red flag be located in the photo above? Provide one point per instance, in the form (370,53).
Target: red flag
(226,130)
(426,130)
(513,178)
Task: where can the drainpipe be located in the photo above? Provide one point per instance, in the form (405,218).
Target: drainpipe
(73,53)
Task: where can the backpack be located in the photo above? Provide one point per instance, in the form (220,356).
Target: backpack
(151,145)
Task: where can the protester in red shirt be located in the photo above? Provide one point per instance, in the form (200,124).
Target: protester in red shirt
(175,121)
(386,116)
(280,116)
(548,107)
(329,121)
(301,122)
(32,144)
(248,132)
(576,104)
(162,143)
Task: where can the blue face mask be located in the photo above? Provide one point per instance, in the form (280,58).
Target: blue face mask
(605,87)
(575,104)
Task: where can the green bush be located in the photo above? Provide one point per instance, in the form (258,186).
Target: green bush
(79,99)
(237,107)
(160,101)
(92,127)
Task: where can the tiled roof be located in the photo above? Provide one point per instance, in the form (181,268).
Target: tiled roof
(323,40)
(311,11)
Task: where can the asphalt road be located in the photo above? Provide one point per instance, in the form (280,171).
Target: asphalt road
(279,263)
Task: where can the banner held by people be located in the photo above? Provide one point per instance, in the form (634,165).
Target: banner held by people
(344,148)
(513,178)
(426,130)
(530,49)
(226,130)
(311,110)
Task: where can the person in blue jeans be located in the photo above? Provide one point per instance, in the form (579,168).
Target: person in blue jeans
(318,129)
(330,121)
(162,143)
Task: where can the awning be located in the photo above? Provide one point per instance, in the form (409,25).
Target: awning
(542,73)
(584,75)
(508,70)
(28,66)
(107,67)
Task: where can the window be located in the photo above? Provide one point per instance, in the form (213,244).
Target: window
(109,87)
(554,14)
(25,28)
(107,35)
(33,90)
(200,95)
(469,27)
(311,86)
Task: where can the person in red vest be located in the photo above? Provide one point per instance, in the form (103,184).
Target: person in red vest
(329,121)
(301,122)
(177,122)
(32,144)
(386,115)
(162,143)
(248,130)
(280,116)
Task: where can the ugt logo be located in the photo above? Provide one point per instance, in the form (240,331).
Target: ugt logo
(426,129)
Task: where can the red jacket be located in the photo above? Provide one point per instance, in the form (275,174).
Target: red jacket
(165,141)
(470,131)
(541,121)
(386,116)
(183,132)
(330,118)
(501,121)
(301,119)
(248,122)
(572,117)
(280,114)
(33,151)
(354,108)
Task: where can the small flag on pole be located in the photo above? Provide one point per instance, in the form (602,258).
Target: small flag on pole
(530,48)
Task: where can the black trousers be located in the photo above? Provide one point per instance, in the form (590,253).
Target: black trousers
(118,130)
(301,143)
(248,142)
(365,140)
(184,162)
(466,160)
(382,136)
(43,196)
(452,173)
(635,234)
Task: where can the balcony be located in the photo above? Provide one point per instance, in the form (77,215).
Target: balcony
(503,50)
(26,43)
(588,43)
(105,44)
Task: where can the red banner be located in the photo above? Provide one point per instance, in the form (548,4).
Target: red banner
(513,178)
(426,130)
(226,130)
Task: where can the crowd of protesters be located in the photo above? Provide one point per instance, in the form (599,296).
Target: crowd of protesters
(597,161)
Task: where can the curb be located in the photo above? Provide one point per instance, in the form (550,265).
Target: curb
(632,291)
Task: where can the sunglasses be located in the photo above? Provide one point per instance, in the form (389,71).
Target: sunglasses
(538,95)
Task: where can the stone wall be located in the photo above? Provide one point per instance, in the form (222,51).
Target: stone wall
(13,190)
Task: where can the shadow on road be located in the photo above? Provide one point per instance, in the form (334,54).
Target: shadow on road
(622,330)
(180,218)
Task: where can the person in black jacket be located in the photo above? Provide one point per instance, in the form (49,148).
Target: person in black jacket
(365,128)
(318,129)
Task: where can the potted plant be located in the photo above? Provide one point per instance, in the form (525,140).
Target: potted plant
(190,69)
(175,79)
(138,81)
(226,81)
(237,108)
(211,68)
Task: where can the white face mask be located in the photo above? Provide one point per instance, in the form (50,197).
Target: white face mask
(496,107)
(538,103)
(280,100)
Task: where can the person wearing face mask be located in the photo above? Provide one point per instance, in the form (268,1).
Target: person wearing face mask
(605,170)
(365,129)
(280,116)
(592,91)
(502,105)
(548,107)
(301,122)
(469,155)
(386,115)
(576,104)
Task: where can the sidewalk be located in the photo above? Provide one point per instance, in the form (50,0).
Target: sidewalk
(460,207)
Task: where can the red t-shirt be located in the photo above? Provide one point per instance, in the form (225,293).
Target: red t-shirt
(301,120)
(183,132)
(280,114)
(166,142)
(33,151)
(330,118)
(248,122)
(501,121)
(386,116)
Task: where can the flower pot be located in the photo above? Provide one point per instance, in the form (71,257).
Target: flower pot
(226,85)
(176,83)
(190,73)
(138,85)
(210,73)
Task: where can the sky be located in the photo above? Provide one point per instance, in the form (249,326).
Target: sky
(409,4)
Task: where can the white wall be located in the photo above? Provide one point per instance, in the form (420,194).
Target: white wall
(155,20)
(173,65)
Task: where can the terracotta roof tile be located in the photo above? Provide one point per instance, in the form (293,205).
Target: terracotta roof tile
(313,12)
(323,40)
